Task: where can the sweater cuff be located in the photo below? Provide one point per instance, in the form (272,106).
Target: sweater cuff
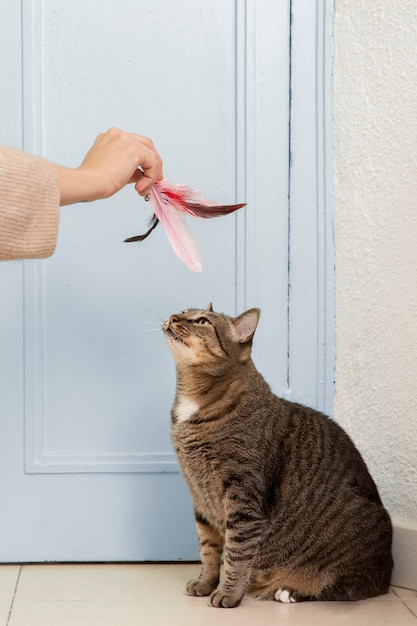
(29,205)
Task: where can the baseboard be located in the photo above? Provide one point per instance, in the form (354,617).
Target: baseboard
(404,550)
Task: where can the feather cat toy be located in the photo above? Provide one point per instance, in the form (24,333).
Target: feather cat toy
(170,202)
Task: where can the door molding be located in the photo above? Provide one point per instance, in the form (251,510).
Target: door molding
(311,334)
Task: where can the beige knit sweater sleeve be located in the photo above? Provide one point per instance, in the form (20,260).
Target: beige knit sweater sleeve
(29,205)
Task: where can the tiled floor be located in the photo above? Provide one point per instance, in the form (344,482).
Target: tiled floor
(153,595)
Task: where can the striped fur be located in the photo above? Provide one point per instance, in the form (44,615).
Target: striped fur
(279,487)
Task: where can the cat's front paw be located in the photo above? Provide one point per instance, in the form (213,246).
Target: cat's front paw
(199,588)
(224,600)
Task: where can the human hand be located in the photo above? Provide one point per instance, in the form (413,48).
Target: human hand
(111,163)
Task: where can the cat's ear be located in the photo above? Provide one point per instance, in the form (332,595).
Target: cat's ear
(245,325)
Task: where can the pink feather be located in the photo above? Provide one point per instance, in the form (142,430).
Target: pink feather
(179,235)
(169,203)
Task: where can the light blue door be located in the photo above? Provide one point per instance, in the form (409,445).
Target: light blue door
(87,468)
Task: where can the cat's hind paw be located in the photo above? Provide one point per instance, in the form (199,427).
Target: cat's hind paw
(285,595)
(200,588)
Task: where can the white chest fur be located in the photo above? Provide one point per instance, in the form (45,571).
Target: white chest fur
(185,408)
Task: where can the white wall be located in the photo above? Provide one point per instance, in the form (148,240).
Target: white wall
(375,141)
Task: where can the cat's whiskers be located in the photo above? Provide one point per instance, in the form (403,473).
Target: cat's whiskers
(155,321)
(151,317)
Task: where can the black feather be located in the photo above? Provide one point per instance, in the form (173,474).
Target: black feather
(154,224)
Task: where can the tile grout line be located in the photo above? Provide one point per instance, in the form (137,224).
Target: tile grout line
(404,602)
(393,589)
(411,610)
(14,596)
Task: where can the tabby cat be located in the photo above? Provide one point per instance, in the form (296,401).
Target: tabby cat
(278,486)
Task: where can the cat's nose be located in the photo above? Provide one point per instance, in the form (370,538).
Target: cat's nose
(172,319)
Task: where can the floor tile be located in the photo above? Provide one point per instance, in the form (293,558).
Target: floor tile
(391,595)
(365,613)
(111,595)
(196,612)
(104,582)
(412,605)
(404,594)
(8,578)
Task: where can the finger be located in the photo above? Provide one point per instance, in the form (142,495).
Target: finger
(136,176)
(142,140)
(151,158)
(144,185)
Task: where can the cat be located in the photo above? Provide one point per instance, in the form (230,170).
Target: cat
(278,487)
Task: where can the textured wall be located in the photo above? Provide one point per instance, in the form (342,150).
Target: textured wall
(375,132)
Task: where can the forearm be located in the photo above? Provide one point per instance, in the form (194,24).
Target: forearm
(79,185)
(32,189)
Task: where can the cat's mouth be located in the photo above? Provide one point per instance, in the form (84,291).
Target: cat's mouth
(172,334)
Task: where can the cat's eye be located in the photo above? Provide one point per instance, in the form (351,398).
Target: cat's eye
(202,320)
